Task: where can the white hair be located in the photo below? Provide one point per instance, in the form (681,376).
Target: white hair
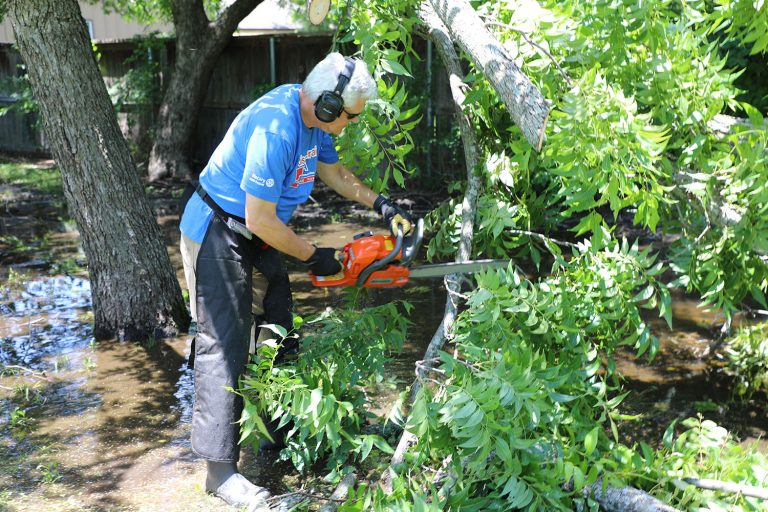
(325,76)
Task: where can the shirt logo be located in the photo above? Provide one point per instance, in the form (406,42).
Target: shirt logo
(270,182)
(303,173)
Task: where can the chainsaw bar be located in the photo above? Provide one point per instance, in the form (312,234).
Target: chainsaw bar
(443,269)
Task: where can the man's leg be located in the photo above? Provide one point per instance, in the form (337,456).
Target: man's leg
(223,298)
(277,300)
(277,309)
(189,250)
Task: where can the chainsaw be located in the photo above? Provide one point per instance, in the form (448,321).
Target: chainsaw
(378,261)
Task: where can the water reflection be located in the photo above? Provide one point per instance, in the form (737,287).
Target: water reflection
(42,320)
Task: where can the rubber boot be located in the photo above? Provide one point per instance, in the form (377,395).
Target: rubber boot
(224,481)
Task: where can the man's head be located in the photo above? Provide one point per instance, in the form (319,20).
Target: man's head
(337,89)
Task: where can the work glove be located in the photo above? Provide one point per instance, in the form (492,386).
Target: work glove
(393,215)
(323,262)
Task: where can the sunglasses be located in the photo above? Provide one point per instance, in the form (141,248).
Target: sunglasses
(349,114)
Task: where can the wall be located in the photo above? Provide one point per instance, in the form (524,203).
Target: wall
(103,26)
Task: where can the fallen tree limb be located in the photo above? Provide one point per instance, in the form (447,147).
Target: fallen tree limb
(284,504)
(340,494)
(731,487)
(625,499)
(723,125)
(527,106)
(436,30)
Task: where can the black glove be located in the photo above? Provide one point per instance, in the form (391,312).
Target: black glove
(393,215)
(323,262)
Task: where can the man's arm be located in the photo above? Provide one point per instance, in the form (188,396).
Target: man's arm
(261,219)
(345,183)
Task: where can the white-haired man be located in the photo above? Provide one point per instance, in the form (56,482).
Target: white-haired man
(236,223)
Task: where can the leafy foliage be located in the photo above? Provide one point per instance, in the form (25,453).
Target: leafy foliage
(140,84)
(377,146)
(20,91)
(748,360)
(321,398)
(703,450)
(636,86)
(744,20)
(524,395)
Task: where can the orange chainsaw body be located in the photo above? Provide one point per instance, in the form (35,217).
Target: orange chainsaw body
(360,254)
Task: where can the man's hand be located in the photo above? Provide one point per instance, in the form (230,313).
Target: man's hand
(393,215)
(323,262)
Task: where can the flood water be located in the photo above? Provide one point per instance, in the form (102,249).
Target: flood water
(108,422)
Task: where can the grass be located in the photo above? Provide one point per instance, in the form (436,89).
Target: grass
(46,180)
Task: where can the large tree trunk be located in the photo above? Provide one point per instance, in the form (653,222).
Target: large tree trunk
(198,44)
(528,108)
(134,288)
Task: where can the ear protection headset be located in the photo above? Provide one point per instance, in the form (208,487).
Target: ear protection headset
(329,104)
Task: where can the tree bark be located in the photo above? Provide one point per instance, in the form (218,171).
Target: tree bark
(134,288)
(625,499)
(730,487)
(436,30)
(340,493)
(529,109)
(198,44)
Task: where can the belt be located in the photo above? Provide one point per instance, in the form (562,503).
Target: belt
(233,222)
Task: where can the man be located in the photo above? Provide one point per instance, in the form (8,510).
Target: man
(237,222)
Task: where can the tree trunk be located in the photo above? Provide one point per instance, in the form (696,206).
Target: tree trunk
(134,288)
(198,45)
(529,109)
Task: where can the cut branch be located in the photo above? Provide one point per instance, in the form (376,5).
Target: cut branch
(732,487)
(527,106)
(625,499)
(340,494)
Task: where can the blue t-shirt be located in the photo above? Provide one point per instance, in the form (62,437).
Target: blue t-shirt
(268,152)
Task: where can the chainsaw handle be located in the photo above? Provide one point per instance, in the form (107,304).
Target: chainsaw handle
(412,243)
(380,263)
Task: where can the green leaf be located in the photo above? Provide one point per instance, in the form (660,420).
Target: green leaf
(366,447)
(590,441)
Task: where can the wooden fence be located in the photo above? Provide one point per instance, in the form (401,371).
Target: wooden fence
(249,66)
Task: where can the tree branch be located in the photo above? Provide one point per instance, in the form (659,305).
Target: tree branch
(340,494)
(625,499)
(535,45)
(525,103)
(732,487)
